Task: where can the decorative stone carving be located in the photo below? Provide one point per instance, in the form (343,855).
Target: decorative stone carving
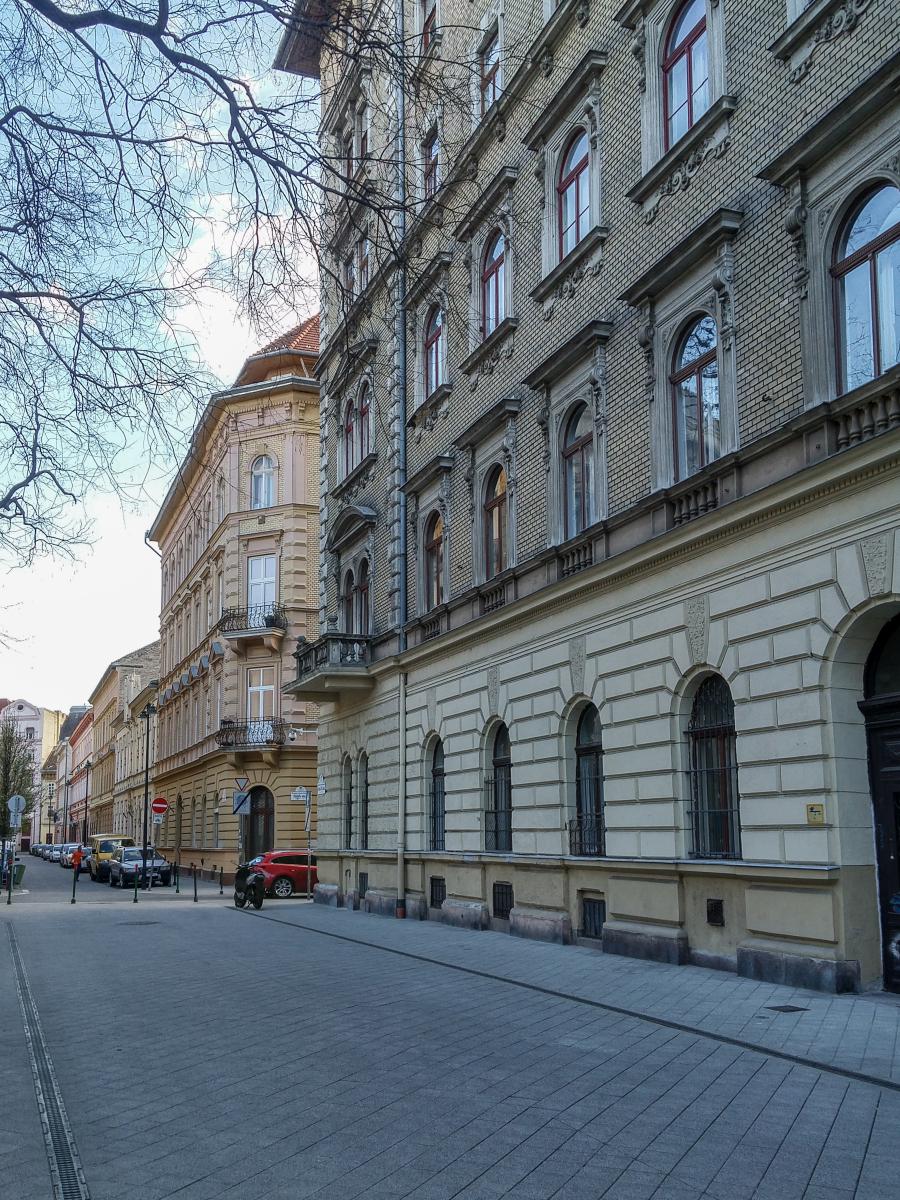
(543,420)
(842,20)
(576,662)
(696,621)
(639,53)
(540,171)
(569,286)
(412,516)
(493,690)
(490,362)
(469,477)
(546,61)
(893,164)
(683,174)
(583,12)
(431,707)
(646,338)
(722,282)
(499,127)
(795,227)
(876,556)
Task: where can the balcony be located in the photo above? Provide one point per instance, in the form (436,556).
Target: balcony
(252,737)
(334,666)
(264,623)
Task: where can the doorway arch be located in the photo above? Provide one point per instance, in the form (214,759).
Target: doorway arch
(881,709)
(260,822)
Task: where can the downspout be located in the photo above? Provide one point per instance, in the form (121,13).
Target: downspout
(400,380)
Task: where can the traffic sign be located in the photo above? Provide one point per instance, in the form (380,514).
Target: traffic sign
(16,805)
(157,818)
(240,782)
(241,803)
(159,806)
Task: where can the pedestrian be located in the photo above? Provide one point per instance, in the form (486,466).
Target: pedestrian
(77,856)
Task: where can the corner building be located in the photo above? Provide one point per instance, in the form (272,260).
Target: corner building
(610,577)
(238,536)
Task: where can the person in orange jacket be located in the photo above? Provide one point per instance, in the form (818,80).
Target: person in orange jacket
(77,856)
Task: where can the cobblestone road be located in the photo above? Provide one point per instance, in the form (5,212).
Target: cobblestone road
(300,1052)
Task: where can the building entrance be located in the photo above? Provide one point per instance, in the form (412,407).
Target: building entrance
(881,708)
(261,822)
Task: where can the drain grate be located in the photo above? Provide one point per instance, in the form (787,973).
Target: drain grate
(785,1008)
(66,1171)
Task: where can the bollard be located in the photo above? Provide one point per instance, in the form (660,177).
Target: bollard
(9,876)
(221,881)
(135,887)
(194,873)
(177,882)
(75,871)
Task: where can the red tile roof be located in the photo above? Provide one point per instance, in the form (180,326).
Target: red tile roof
(303,337)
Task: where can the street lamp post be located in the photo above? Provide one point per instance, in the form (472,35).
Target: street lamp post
(146,713)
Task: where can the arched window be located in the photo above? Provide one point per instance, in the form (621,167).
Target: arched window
(867,283)
(262,482)
(348,803)
(365,417)
(882,677)
(434,561)
(351,445)
(695,397)
(437,797)
(362,600)
(347,598)
(578,470)
(493,284)
(586,833)
(573,194)
(495,523)
(686,70)
(712,746)
(498,801)
(434,351)
(363,777)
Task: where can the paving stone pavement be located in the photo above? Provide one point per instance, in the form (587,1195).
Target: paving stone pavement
(204,1052)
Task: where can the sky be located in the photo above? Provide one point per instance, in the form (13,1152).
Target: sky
(66,621)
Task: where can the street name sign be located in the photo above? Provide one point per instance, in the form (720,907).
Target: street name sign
(159,806)
(321,788)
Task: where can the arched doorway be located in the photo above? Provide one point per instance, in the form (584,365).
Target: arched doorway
(261,822)
(881,708)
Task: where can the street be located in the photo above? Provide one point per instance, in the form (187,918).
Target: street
(202,1052)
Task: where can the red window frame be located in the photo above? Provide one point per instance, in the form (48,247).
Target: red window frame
(429,23)
(693,368)
(349,593)
(581,447)
(495,511)
(843,266)
(488,71)
(434,554)
(363,415)
(430,156)
(672,57)
(349,437)
(433,348)
(576,176)
(348,158)
(492,288)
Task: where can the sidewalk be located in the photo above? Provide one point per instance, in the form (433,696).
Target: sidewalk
(859,1034)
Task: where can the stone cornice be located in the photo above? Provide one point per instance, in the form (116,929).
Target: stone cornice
(427,278)
(483,206)
(488,421)
(574,349)
(559,107)
(440,465)
(720,226)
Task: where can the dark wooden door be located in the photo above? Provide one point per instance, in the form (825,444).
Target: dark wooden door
(261,832)
(884,764)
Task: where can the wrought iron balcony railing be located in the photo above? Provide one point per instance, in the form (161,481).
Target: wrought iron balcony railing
(236,734)
(332,650)
(586,836)
(256,617)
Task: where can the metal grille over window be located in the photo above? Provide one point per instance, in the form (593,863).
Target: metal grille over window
(363,882)
(593,916)
(586,832)
(715,803)
(503,900)
(364,802)
(438,891)
(498,798)
(438,798)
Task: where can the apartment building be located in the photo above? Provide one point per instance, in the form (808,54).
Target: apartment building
(610,578)
(238,535)
(74,815)
(40,728)
(120,682)
(55,770)
(134,734)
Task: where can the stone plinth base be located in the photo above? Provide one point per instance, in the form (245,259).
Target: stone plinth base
(796,970)
(465,914)
(382,903)
(544,925)
(659,945)
(328,893)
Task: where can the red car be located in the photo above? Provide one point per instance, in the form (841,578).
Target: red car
(285,872)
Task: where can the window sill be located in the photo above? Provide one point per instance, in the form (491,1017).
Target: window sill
(591,241)
(430,405)
(483,350)
(709,124)
(354,476)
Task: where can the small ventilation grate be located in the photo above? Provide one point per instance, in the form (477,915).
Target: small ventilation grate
(593,916)
(785,1008)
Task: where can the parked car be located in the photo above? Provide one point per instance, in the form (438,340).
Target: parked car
(65,857)
(55,852)
(35,848)
(103,847)
(285,872)
(47,851)
(127,861)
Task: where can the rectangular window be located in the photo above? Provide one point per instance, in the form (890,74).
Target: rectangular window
(430,155)
(362,263)
(220,593)
(215,833)
(260,693)
(350,277)
(218,701)
(209,611)
(489,70)
(261,582)
(362,133)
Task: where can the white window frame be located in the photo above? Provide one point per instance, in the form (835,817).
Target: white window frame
(268,580)
(259,690)
(268,475)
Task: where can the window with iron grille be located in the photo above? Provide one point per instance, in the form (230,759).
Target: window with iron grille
(503,900)
(438,798)
(348,803)
(712,744)
(593,916)
(586,828)
(498,797)
(438,891)
(363,884)
(363,801)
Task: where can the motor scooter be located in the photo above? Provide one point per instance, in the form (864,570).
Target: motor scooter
(252,890)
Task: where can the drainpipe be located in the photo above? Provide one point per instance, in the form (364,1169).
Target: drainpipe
(400,381)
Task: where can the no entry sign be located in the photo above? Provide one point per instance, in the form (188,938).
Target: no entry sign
(159,805)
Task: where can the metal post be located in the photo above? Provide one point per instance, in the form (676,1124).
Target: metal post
(75,873)
(135,887)
(221,881)
(177,877)
(194,873)
(147,712)
(10,864)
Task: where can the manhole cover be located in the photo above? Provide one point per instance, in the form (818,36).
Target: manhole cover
(785,1008)
(137,922)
